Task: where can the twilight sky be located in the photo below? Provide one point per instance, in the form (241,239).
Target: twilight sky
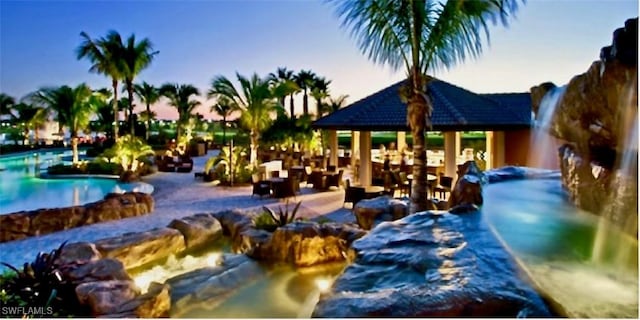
(549,40)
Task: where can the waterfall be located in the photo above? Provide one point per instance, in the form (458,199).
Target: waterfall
(542,153)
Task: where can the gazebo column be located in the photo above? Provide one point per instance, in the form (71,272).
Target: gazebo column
(333,147)
(498,149)
(458,144)
(402,140)
(365,158)
(490,149)
(355,148)
(450,166)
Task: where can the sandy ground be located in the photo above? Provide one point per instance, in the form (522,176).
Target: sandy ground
(177,195)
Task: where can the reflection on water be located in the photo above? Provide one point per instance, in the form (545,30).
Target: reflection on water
(285,293)
(554,241)
(21,189)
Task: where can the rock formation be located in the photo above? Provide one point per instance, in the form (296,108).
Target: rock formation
(596,116)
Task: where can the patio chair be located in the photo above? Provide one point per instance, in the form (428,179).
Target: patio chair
(331,168)
(260,187)
(317,180)
(185,165)
(389,184)
(353,194)
(335,180)
(285,188)
(403,183)
(444,186)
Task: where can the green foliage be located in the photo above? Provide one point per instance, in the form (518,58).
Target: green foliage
(130,152)
(285,131)
(242,171)
(283,216)
(323,220)
(264,221)
(39,284)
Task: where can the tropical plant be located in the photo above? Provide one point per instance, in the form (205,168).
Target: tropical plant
(130,152)
(73,108)
(256,103)
(333,105)
(136,56)
(421,36)
(225,164)
(224,107)
(304,79)
(149,95)
(283,216)
(180,97)
(30,116)
(6,103)
(319,91)
(264,221)
(284,84)
(105,55)
(40,284)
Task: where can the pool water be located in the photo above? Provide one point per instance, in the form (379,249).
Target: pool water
(556,244)
(22,189)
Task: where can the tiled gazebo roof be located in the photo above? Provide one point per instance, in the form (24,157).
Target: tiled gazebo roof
(455,109)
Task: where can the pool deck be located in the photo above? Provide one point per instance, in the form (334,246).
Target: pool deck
(177,195)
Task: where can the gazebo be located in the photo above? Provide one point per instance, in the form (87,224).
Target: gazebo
(505,117)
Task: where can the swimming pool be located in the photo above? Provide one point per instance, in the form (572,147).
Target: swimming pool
(22,189)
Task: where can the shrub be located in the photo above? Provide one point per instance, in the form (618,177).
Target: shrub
(264,221)
(39,284)
(283,217)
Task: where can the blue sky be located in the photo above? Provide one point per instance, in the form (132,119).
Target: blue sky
(547,41)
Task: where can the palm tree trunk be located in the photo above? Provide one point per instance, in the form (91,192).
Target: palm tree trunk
(131,120)
(114,83)
(148,122)
(253,157)
(418,105)
(291,109)
(305,103)
(224,130)
(74,149)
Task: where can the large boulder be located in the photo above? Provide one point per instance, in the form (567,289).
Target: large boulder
(208,287)
(431,265)
(368,212)
(15,226)
(104,297)
(467,193)
(198,230)
(155,303)
(78,252)
(93,271)
(233,221)
(139,248)
(309,243)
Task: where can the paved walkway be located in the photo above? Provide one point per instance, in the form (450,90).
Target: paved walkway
(177,195)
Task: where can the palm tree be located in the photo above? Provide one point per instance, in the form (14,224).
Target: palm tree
(6,103)
(285,85)
(224,107)
(256,102)
(319,91)
(304,79)
(421,36)
(333,105)
(30,116)
(136,56)
(180,98)
(105,54)
(73,108)
(149,95)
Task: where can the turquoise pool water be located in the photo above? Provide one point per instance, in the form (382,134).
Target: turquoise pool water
(22,189)
(577,260)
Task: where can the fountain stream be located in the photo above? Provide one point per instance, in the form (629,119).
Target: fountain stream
(542,153)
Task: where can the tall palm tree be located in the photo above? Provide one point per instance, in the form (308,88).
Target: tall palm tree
(105,54)
(421,36)
(256,102)
(136,56)
(285,84)
(304,79)
(6,103)
(149,95)
(224,107)
(73,108)
(319,91)
(180,98)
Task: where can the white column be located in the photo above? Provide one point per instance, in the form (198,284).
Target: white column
(333,147)
(365,158)
(402,140)
(498,149)
(450,166)
(489,150)
(458,144)
(355,148)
